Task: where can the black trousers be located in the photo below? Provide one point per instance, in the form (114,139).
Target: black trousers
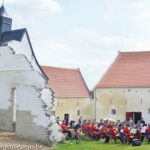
(142,137)
(69,134)
(107,139)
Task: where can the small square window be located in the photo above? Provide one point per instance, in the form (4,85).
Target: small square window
(113,111)
(78,112)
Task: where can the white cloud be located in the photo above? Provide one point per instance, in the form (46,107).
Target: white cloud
(51,6)
(88,48)
(78,50)
(143,16)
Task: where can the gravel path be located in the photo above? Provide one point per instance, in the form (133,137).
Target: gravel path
(8,141)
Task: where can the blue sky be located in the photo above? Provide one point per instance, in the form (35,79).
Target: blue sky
(85,34)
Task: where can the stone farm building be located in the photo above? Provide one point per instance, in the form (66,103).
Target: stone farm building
(124,91)
(72,97)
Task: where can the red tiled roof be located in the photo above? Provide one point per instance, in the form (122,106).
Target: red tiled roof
(130,69)
(66,82)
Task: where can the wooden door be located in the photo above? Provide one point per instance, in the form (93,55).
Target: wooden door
(129,115)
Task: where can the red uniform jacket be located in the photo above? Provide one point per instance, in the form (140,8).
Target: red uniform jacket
(64,127)
(127,133)
(112,132)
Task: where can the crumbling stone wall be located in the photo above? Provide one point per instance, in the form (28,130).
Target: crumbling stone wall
(17,72)
(28,129)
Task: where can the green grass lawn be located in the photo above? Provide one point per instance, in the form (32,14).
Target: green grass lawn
(96,145)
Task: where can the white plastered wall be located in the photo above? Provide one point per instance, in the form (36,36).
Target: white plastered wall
(16,71)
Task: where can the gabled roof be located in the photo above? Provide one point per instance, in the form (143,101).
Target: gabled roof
(130,69)
(66,82)
(17,35)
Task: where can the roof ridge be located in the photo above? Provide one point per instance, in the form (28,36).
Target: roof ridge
(60,67)
(132,52)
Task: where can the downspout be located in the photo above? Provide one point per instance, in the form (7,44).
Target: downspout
(95,99)
(14,109)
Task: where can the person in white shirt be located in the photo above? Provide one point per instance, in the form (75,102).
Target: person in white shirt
(143,130)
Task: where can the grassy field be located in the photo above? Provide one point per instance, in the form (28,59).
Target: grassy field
(96,145)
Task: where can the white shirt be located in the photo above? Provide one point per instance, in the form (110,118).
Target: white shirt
(143,129)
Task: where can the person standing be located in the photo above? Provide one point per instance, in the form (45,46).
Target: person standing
(80,121)
(57,120)
(131,121)
(142,121)
(143,130)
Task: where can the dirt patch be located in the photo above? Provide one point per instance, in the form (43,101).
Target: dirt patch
(9,141)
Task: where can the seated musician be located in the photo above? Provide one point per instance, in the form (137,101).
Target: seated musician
(84,126)
(103,131)
(127,133)
(148,131)
(133,131)
(95,130)
(112,133)
(65,129)
(138,133)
